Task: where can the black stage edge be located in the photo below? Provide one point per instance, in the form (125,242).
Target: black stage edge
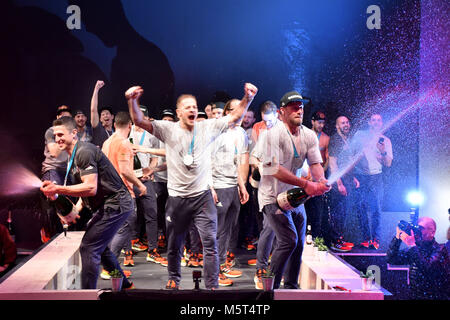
(188,295)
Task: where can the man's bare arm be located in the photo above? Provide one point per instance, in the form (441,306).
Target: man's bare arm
(94,104)
(132,95)
(238,113)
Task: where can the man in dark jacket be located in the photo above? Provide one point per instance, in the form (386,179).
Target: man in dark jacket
(429,261)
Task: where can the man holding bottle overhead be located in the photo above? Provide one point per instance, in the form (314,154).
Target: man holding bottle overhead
(289,143)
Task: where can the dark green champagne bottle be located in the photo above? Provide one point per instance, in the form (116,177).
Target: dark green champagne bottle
(137,166)
(255,178)
(63,205)
(292,198)
(10,226)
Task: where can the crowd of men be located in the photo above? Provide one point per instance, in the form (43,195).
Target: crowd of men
(182,183)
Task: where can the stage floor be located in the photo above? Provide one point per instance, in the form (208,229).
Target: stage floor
(149,275)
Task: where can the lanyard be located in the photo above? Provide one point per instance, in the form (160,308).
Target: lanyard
(142,138)
(191,147)
(296,155)
(318,136)
(112,130)
(69,165)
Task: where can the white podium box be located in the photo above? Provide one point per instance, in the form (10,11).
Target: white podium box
(52,273)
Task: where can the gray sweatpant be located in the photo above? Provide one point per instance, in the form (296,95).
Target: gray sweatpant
(179,214)
(227,214)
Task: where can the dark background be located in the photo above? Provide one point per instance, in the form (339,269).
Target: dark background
(323,49)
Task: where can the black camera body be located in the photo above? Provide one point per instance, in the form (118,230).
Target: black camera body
(408,227)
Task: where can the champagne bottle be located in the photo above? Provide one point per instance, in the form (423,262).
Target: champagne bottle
(255,178)
(309,235)
(65,208)
(63,204)
(10,226)
(292,198)
(137,166)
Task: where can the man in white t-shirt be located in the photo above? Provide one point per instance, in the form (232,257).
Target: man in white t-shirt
(229,172)
(376,151)
(188,156)
(288,144)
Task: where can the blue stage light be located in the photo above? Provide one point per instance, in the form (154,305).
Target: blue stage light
(415,198)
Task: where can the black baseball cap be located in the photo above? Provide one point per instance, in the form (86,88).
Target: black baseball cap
(219,104)
(202,114)
(79,111)
(318,115)
(168,113)
(144,110)
(105,108)
(62,109)
(291,96)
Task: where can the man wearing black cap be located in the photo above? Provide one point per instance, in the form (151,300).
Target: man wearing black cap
(84,131)
(201,116)
(288,143)
(217,109)
(168,115)
(102,127)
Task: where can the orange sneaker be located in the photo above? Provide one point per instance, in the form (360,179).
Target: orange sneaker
(257,279)
(128,260)
(230,272)
(161,241)
(193,261)
(155,256)
(249,244)
(45,237)
(131,287)
(138,246)
(171,285)
(224,281)
(252,262)
(230,259)
(127,273)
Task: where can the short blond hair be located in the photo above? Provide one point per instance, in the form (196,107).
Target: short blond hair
(185,96)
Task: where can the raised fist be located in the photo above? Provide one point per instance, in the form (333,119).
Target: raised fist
(99,84)
(250,90)
(134,93)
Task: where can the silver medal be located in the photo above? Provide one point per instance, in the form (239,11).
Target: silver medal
(188,160)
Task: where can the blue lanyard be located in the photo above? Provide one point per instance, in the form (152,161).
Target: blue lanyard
(191,147)
(318,136)
(70,163)
(142,139)
(296,155)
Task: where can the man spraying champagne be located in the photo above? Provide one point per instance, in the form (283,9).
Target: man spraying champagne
(287,145)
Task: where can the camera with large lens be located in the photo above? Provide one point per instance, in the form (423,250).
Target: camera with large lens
(408,227)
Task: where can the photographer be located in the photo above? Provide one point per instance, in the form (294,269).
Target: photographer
(428,260)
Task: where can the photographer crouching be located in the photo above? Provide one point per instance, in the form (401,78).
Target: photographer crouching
(428,260)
